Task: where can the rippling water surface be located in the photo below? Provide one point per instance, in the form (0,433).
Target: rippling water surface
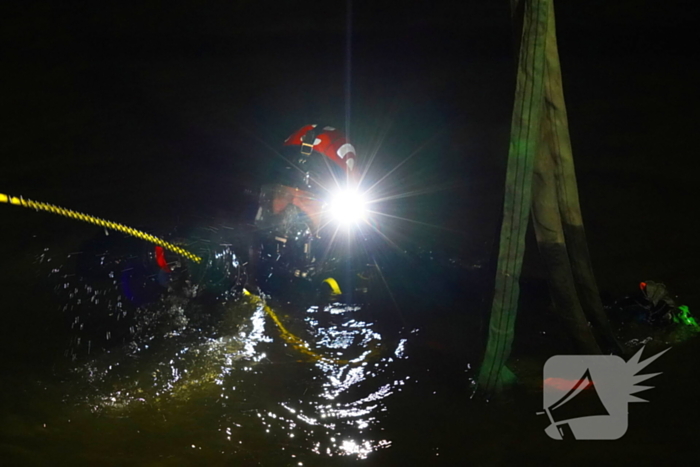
(156,374)
(109,361)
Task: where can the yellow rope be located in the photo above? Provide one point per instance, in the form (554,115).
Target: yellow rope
(18,201)
(295,341)
(333,284)
(288,337)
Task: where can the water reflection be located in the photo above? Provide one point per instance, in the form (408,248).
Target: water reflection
(338,415)
(219,376)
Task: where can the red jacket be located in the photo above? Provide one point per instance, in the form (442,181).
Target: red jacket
(329,142)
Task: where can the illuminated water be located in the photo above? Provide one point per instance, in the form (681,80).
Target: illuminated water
(107,368)
(156,375)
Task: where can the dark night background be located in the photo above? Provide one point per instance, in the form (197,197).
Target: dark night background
(167,112)
(180,102)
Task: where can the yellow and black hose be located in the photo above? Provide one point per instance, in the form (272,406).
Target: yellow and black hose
(287,336)
(27,203)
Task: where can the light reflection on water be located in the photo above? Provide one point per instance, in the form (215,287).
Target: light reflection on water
(246,385)
(346,401)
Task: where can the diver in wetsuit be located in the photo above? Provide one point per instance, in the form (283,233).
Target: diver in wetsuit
(319,158)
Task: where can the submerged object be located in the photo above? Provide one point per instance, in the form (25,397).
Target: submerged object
(652,314)
(160,259)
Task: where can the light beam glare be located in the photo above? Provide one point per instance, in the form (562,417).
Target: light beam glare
(391,294)
(330,244)
(373,152)
(379,271)
(413,154)
(416,222)
(423,191)
(387,239)
(347,207)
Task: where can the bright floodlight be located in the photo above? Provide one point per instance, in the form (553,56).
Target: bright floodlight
(348,207)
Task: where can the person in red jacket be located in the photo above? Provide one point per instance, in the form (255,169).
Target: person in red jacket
(320,161)
(317,158)
(317,146)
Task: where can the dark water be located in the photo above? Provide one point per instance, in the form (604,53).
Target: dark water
(103,367)
(164,133)
(92,377)
(106,366)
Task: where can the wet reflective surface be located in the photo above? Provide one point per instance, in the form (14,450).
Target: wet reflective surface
(154,371)
(153,121)
(109,361)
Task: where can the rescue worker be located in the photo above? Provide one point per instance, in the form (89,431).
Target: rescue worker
(318,160)
(318,156)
